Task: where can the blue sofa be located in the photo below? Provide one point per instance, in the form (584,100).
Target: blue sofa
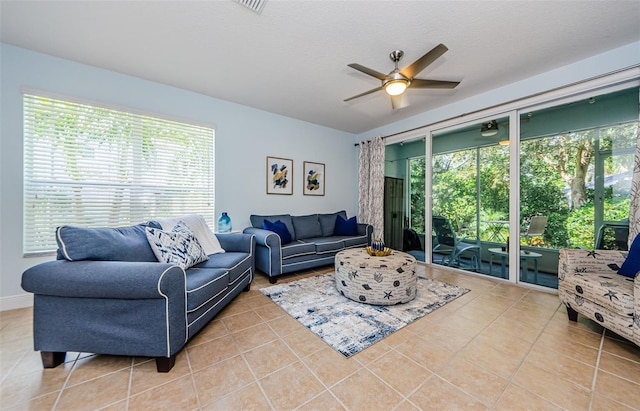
(314,242)
(107,293)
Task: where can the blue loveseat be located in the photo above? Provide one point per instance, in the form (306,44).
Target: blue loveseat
(107,293)
(315,240)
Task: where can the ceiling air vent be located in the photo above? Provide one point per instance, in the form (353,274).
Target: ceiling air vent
(255,5)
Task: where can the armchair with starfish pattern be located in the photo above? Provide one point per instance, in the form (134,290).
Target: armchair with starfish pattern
(589,285)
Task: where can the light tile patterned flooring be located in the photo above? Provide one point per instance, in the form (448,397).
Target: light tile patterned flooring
(499,347)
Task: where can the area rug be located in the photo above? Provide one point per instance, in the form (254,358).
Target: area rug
(349,326)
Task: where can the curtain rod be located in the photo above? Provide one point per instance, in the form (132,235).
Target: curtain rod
(508,102)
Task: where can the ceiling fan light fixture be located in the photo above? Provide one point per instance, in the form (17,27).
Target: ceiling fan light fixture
(490,128)
(395,87)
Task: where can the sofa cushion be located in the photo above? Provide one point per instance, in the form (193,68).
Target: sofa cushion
(178,246)
(279,228)
(306,226)
(237,263)
(104,244)
(326,244)
(204,284)
(355,241)
(257,221)
(631,264)
(328,222)
(297,249)
(346,227)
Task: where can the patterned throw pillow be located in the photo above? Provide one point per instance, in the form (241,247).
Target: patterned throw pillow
(178,246)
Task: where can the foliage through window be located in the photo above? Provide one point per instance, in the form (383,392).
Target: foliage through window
(97,167)
(559,178)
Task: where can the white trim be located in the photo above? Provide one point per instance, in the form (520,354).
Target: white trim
(308,261)
(64,246)
(299,255)
(213,297)
(212,307)
(208,283)
(166,305)
(241,276)
(14,302)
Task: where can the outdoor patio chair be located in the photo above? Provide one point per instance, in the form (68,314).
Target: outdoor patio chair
(537,226)
(613,235)
(451,247)
(411,244)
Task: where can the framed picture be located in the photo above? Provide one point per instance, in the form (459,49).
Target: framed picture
(313,179)
(279,175)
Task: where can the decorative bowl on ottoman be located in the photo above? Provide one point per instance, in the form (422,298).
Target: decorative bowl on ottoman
(379,253)
(385,280)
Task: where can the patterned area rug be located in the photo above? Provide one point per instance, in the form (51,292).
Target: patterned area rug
(349,326)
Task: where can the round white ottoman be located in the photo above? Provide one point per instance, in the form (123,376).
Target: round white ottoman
(376,280)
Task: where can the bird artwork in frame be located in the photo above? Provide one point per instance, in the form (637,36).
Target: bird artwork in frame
(314,177)
(279,176)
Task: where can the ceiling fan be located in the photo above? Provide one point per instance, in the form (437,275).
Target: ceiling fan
(396,82)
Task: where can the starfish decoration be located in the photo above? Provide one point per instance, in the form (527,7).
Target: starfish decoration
(592,254)
(387,295)
(611,294)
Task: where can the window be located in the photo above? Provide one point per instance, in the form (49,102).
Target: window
(97,167)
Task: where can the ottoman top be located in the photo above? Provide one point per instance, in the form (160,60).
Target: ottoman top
(358,257)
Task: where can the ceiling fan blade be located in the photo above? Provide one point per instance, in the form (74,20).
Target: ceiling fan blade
(399,101)
(368,71)
(364,94)
(417,66)
(420,83)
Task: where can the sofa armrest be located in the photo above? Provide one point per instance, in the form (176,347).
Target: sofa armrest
(105,279)
(237,242)
(574,261)
(265,238)
(268,251)
(365,229)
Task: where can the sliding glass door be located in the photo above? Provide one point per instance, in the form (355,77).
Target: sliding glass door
(470,197)
(576,161)
(572,164)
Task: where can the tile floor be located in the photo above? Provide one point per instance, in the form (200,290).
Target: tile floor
(499,347)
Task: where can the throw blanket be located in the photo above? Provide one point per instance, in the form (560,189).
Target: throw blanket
(200,229)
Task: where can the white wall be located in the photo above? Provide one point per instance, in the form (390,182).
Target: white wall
(244,137)
(605,63)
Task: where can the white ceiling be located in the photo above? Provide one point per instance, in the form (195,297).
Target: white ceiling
(292,59)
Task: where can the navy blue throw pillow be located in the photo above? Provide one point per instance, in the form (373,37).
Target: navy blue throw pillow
(279,228)
(346,227)
(631,264)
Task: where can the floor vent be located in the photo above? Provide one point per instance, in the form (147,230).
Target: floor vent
(255,5)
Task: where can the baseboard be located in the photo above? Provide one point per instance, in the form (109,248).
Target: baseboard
(13,302)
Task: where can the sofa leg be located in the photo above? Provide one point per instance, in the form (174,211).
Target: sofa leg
(573,314)
(247,288)
(52,359)
(273,280)
(165,364)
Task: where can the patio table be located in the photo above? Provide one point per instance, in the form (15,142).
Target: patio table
(525,256)
(495,228)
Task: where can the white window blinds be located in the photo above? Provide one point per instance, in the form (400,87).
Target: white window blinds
(97,167)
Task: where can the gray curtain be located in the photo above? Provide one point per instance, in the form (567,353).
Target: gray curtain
(371,185)
(634,215)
